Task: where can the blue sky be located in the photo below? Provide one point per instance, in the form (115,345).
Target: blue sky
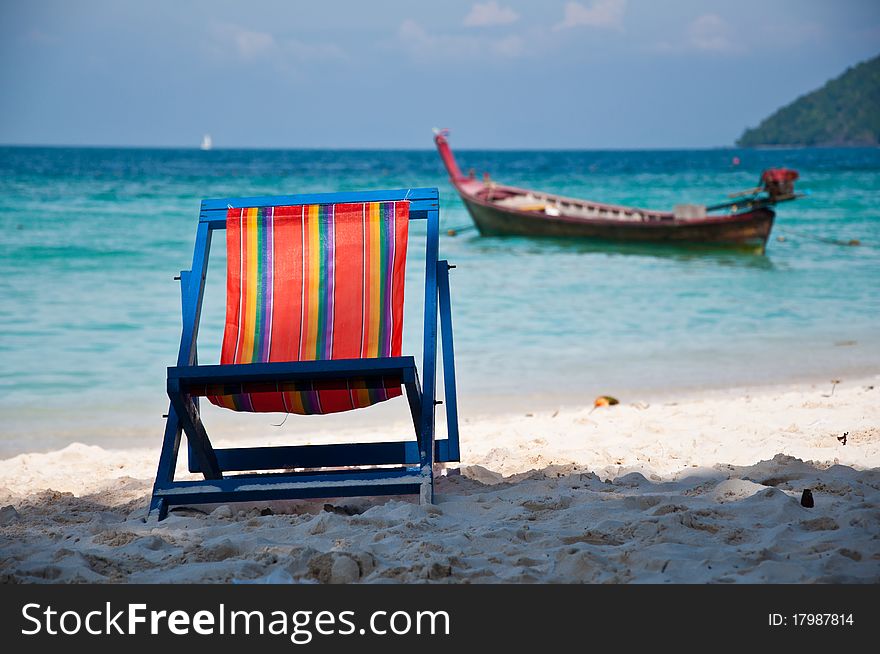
(501,73)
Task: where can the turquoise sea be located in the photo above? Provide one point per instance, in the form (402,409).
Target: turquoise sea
(91,238)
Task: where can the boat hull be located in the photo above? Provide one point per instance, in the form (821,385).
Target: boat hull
(746,230)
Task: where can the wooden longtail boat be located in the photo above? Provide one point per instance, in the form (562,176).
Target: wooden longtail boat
(500,210)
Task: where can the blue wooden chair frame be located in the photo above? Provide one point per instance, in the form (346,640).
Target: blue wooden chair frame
(323,470)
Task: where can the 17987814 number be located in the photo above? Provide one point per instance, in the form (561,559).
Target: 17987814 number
(811,620)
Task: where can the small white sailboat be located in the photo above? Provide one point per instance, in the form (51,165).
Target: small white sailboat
(207,142)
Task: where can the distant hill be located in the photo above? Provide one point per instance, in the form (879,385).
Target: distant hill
(846,111)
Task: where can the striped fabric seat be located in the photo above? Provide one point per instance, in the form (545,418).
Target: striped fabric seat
(308,283)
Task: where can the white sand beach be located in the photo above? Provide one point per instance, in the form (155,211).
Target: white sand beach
(699,488)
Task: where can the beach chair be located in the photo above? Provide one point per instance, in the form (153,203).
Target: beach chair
(314,323)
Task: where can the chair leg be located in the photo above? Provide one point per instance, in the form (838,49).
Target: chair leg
(426,490)
(167,463)
(414,397)
(158,509)
(195,432)
(445,307)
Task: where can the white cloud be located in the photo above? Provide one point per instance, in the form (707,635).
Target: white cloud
(423,45)
(601,13)
(711,33)
(250,46)
(490,13)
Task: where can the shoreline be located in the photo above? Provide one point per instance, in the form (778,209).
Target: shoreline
(865,375)
(711,403)
(45,429)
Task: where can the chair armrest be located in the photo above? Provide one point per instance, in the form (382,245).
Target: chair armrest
(242,373)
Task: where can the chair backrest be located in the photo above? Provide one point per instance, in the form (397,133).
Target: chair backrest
(314,282)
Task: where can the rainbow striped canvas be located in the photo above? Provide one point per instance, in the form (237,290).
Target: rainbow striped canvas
(309,283)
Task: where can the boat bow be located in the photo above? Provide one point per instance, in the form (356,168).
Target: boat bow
(464,183)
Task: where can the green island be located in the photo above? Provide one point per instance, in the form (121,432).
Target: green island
(844,112)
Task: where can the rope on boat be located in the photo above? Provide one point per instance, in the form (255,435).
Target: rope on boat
(453,231)
(853,242)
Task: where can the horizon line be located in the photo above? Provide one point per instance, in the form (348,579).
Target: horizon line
(196,148)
